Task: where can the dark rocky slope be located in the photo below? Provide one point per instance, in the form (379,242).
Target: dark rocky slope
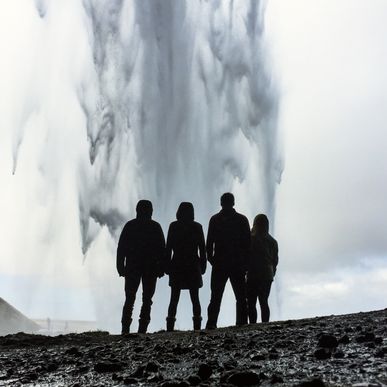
(326,351)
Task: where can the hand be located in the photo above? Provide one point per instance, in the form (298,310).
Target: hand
(160,269)
(167,267)
(203,265)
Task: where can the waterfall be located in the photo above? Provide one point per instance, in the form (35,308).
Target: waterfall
(110,101)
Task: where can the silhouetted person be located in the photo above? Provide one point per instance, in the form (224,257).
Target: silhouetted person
(140,257)
(228,243)
(263,261)
(184,265)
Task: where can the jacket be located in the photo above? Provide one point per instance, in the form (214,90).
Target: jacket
(228,239)
(263,257)
(141,248)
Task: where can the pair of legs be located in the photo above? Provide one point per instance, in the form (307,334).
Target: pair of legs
(196,308)
(258,289)
(175,296)
(219,278)
(132,283)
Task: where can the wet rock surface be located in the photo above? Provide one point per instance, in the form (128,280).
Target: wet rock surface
(324,351)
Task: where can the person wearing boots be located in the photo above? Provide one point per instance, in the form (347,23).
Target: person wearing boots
(228,243)
(262,265)
(185,262)
(140,258)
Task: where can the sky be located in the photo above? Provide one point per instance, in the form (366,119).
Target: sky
(328,59)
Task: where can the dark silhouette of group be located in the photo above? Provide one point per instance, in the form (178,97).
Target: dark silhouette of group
(248,258)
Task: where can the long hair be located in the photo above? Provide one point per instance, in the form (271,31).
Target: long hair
(260,225)
(185,212)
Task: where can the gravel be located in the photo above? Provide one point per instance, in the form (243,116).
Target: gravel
(348,350)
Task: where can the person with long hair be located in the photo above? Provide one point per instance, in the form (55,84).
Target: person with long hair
(261,269)
(185,262)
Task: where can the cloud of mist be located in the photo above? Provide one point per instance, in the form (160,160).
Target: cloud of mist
(104,102)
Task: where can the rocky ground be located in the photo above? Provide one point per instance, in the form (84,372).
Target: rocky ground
(349,350)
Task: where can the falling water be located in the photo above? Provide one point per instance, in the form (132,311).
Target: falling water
(109,101)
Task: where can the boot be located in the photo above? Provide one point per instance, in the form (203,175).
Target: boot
(142,325)
(125,327)
(241,313)
(211,323)
(170,324)
(197,323)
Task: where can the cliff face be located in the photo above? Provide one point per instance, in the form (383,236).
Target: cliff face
(325,351)
(13,321)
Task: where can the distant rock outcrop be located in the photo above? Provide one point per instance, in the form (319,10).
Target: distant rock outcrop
(13,321)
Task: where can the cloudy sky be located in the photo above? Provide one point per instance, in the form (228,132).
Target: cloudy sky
(328,58)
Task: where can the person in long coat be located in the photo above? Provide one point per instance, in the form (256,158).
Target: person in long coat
(261,269)
(185,262)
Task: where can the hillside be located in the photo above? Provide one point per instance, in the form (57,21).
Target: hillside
(325,351)
(13,321)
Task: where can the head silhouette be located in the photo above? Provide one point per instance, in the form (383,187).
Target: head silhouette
(144,209)
(185,212)
(261,225)
(227,200)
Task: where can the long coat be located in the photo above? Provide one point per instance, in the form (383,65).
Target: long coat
(184,265)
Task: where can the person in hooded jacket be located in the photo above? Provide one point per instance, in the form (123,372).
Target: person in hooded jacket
(261,269)
(185,262)
(140,258)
